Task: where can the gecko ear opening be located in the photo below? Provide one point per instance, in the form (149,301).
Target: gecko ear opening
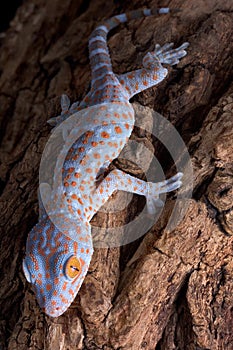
(26,272)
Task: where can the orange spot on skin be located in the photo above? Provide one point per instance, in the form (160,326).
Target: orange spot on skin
(136,86)
(81,149)
(77,175)
(79,212)
(155,77)
(66,246)
(89,133)
(143,73)
(48,287)
(118,129)
(127,126)
(101,190)
(73,183)
(82,250)
(78,230)
(70,209)
(105,135)
(87,251)
(145,83)
(80,201)
(55,292)
(96,155)
(75,245)
(74,196)
(66,184)
(70,170)
(88,170)
(53,302)
(81,188)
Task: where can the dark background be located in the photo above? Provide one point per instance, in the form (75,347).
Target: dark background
(7,12)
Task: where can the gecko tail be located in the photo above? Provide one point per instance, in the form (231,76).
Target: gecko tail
(98,50)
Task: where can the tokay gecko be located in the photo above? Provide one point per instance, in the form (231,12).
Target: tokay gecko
(57,259)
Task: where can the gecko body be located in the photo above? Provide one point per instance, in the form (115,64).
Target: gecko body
(58,256)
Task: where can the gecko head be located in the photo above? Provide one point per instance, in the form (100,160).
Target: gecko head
(56,265)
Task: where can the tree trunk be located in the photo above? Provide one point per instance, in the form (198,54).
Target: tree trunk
(171,288)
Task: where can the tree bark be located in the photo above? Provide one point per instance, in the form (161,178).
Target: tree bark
(169,289)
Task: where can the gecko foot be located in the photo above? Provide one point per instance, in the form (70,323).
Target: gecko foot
(155,189)
(66,111)
(166,53)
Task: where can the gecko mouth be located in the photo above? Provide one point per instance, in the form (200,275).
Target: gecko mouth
(54,310)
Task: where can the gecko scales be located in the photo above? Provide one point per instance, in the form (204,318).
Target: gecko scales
(57,259)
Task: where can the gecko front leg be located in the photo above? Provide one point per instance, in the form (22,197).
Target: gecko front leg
(118,180)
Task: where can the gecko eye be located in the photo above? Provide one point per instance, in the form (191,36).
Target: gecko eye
(73,267)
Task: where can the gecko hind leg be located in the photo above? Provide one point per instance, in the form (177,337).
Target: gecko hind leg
(153,71)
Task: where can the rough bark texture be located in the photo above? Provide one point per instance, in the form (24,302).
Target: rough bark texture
(167,290)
